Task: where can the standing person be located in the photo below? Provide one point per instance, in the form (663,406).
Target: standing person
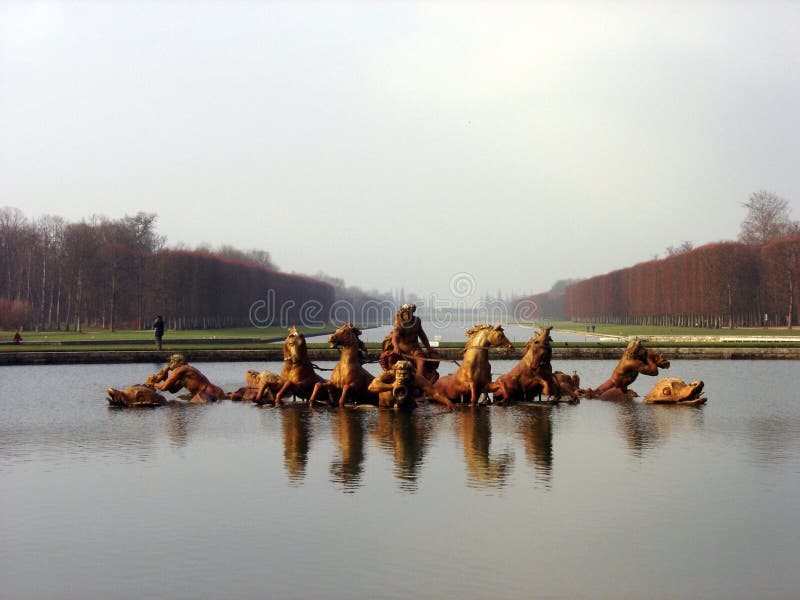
(17,337)
(158,329)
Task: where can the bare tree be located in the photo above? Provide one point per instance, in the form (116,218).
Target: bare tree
(767,218)
(684,246)
(50,230)
(255,255)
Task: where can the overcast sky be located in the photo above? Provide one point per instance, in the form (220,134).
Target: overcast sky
(400,144)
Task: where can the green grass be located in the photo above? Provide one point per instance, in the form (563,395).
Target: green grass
(247,338)
(645,330)
(98,339)
(102,335)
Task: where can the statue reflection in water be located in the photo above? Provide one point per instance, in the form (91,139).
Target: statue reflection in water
(405,436)
(483,469)
(178,426)
(181,421)
(644,426)
(347,427)
(536,431)
(296,425)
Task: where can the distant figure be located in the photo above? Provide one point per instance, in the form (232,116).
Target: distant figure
(17,337)
(158,329)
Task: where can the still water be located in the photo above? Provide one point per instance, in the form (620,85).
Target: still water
(597,500)
(447,331)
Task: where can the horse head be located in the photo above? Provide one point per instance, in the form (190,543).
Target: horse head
(346,335)
(294,346)
(538,348)
(488,336)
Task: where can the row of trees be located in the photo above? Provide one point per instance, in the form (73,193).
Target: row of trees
(727,284)
(116,273)
(749,283)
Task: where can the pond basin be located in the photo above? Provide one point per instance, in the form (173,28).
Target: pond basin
(228,500)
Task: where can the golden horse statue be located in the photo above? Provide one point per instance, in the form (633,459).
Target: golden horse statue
(475,373)
(533,375)
(297,376)
(349,377)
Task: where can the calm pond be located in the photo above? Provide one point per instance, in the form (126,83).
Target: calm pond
(596,500)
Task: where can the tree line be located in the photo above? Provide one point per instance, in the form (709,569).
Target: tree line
(726,284)
(748,283)
(117,274)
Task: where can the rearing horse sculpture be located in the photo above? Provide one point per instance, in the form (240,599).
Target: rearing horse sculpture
(297,376)
(533,375)
(349,378)
(474,374)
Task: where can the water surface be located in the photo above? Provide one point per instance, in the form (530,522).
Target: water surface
(598,500)
(447,331)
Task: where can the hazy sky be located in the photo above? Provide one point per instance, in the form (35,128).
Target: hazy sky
(399,143)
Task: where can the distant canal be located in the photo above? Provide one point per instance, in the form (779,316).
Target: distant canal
(597,500)
(456,332)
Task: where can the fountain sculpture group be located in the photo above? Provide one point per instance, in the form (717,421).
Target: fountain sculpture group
(410,374)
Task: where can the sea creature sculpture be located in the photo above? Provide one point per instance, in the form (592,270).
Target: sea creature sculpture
(253,382)
(671,390)
(136,396)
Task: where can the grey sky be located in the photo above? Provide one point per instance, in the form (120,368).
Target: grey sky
(397,144)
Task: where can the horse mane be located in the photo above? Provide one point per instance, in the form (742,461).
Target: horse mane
(473,330)
(293,333)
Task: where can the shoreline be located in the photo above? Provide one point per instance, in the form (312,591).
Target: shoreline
(331,354)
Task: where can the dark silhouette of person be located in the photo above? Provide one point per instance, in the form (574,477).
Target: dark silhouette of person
(158,330)
(17,337)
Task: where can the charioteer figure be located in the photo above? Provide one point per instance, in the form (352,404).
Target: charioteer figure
(403,343)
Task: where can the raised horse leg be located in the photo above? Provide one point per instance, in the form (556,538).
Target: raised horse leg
(281,392)
(343,397)
(504,391)
(474,394)
(317,387)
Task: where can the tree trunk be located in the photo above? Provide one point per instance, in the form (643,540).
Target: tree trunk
(112,314)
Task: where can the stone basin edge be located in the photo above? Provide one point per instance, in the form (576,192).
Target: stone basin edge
(331,354)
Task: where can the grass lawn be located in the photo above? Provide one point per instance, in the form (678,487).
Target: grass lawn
(644,331)
(255,338)
(102,335)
